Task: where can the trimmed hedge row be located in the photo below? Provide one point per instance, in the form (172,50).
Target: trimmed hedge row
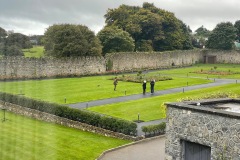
(154,129)
(84,116)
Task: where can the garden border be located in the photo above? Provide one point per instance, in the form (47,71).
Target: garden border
(43,116)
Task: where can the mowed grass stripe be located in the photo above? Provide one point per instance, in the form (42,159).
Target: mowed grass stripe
(188,71)
(26,139)
(86,89)
(153,108)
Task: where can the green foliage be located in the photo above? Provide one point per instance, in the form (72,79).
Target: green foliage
(3,35)
(222,37)
(151,28)
(109,65)
(202,32)
(65,40)
(237,26)
(13,50)
(139,78)
(19,40)
(84,116)
(115,40)
(144,46)
(13,44)
(37,38)
(154,129)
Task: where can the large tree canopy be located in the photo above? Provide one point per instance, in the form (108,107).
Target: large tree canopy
(149,26)
(19,40)
(13,44)
(237,26)
(65,40)
(115,40)
(202,32)
(200,36)
(222,37)
(3,34)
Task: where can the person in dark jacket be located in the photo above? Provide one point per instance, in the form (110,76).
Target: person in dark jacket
(144,86)
(115,82)
(152,83)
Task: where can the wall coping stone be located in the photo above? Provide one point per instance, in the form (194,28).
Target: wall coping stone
(191,105)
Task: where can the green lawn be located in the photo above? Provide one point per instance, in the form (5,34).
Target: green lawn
(100,87)
(36,51)
(23,138)
(86,88)
(227,68)
(153,108)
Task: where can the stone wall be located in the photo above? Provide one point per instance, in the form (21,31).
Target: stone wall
(62,121)
(232,57)
(218,130)
(20,68)
(155,60)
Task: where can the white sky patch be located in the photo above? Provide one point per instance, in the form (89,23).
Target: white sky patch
(33,17)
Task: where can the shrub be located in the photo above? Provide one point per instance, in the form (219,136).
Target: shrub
(106,122)
(154,129)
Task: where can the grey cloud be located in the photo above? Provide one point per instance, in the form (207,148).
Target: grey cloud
(29,16)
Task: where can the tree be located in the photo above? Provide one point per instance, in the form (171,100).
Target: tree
(114,39)
(150,25)
(3,34)
(65,40)
(237,26)
(36,39)
(222,36)
(202,32)
(18,39)
(200,36)
(13,50)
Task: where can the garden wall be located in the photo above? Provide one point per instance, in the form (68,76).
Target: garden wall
(62,121)
(155,60)
(20,68)
(232,57)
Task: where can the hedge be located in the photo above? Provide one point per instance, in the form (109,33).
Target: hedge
(84,116)
(154,129)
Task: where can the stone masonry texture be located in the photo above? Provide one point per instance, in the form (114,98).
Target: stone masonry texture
(220,132)
(26,68)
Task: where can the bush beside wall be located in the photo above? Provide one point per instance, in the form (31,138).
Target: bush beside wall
(154,129)
(83,116)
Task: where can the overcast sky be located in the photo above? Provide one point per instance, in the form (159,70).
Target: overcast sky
(34,16)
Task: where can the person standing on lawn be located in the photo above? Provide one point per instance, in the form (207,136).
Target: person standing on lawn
(152,83)
(144,86)
(115,82)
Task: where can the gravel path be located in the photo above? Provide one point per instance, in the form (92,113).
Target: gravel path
(148,149)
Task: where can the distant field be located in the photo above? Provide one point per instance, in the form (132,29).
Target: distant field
(23,138)
(153,108)
(36,51)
